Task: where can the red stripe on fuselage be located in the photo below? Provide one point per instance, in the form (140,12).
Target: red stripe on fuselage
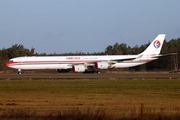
(10,63)
(61,61)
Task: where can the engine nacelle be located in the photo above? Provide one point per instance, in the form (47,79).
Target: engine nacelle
(79,68)
(102,65)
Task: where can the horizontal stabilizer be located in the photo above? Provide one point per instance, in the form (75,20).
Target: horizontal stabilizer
(170,54)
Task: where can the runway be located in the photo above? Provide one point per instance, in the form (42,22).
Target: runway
(81,76)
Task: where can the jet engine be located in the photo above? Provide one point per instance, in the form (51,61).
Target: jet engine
(102,65)
(79,68)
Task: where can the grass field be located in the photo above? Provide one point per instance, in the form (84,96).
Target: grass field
(111,99)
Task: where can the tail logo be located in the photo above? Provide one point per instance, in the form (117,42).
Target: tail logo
(157,44)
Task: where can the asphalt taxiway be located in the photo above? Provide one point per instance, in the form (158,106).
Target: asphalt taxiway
(81,76)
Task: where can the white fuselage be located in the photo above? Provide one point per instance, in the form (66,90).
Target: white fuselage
(66,62)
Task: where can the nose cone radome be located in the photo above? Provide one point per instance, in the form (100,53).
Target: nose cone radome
(7,63)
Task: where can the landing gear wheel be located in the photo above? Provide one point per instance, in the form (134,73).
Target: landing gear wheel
(19,71)
(98,72)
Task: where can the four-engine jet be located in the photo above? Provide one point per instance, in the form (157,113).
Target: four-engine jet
(88,63)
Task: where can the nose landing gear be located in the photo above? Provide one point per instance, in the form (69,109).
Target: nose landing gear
(19,71)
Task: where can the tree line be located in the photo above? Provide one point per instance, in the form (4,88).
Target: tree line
(169,63)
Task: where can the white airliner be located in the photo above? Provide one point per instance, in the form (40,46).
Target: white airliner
(88,63)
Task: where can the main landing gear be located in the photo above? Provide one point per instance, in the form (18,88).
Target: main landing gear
(91,69)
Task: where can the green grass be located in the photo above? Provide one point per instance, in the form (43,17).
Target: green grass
(115,97)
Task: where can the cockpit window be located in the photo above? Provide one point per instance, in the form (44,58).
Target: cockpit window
(10,60)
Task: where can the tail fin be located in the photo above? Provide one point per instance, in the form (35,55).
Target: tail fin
(155,47)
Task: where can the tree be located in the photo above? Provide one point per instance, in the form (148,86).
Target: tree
(109,50)
(19,50)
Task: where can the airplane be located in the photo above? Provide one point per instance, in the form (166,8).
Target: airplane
(88,63)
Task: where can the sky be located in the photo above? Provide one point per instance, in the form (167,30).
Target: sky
(62,26)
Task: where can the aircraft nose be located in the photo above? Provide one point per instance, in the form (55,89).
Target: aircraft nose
(7,63)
